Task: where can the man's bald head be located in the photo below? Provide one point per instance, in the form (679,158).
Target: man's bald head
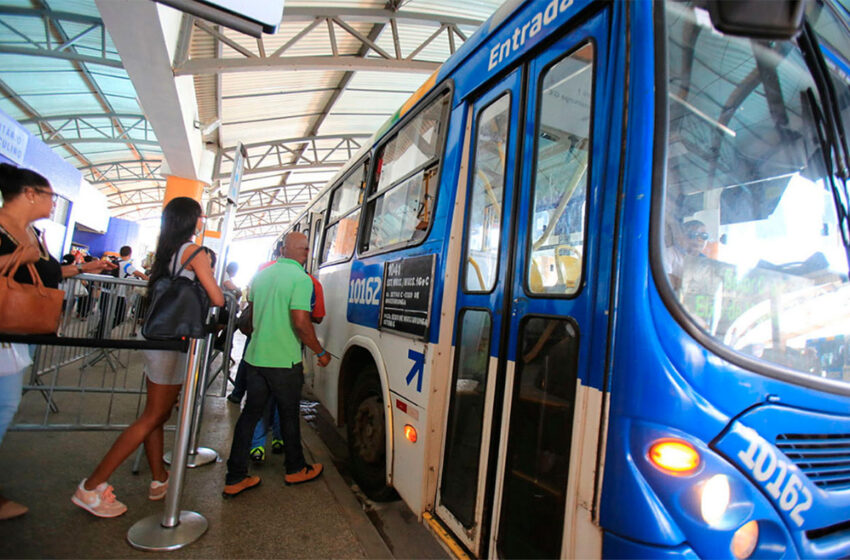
(296,247)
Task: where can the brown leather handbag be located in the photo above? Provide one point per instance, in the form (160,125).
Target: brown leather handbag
(27,308)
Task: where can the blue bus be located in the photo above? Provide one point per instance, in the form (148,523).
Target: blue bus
(574,286)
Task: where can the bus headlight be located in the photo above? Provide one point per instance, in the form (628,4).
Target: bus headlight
(714,500)
(745,540)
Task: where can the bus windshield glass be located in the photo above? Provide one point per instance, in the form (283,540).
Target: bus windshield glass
(752,246)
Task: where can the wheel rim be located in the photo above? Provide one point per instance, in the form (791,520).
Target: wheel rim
(369,429)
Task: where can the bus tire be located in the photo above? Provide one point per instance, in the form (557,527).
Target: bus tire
(366,429)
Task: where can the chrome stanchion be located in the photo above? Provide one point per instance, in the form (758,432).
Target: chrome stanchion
(200,456)
(174,528)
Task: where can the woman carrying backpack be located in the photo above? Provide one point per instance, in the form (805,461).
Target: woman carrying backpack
(165,370)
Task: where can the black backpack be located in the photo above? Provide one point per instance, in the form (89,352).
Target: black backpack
(178,307)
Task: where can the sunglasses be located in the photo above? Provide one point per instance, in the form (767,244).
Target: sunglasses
(698,235)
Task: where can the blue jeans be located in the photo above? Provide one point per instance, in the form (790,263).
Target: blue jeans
(271,413)
(285,384)
(10,398)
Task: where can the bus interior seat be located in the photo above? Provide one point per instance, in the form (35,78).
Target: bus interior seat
(535,279)
(568,266)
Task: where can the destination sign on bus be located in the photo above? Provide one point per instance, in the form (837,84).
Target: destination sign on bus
(406,302)
(528,30)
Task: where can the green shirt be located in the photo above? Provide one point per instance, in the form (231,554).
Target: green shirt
(275,291)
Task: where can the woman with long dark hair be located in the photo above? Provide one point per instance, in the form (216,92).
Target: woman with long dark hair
(164,369)
(27,197)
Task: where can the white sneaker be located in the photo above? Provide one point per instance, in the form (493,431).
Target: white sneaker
(158,490)
(100,501)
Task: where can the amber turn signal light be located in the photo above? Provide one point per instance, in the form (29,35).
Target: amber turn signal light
(410,433)
(674,455)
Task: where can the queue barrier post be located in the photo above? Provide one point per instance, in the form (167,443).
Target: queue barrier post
(200,456)
(175,529)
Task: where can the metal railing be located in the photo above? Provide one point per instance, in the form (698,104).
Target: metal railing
(91,375)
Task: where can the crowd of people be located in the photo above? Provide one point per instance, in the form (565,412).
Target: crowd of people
(285,302)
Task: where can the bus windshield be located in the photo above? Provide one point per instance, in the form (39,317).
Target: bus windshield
(752,246)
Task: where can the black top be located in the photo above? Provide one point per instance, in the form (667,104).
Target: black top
(47,267)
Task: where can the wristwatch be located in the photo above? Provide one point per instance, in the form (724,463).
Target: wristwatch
(79,267)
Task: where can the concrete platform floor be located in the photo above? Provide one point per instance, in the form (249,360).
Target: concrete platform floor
(321,519)
(326,518)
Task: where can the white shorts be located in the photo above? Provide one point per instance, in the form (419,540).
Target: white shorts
(166,367)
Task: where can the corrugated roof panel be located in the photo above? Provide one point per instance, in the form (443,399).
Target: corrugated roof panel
(307,176)
(62,103)
(205,95)
(11,109)
(271,108)
(115,85)
(387,81)
(98,152)
(250,83)
(480,9)
(46,84)
(254,182)
(31,27)
(354,124)
(84,7)
(150,152)
(124,104)
(352,101)
(202,45)
(250,133)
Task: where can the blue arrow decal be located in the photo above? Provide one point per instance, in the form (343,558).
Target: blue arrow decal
(417,369)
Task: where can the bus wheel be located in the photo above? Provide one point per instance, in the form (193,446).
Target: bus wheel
(366,429)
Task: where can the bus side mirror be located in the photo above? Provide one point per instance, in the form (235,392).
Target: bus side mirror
(756,19)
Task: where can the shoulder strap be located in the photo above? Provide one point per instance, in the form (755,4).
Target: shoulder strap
(192,256)
(124,268)
(177,256)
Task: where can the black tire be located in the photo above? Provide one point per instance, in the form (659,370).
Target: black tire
(366,429)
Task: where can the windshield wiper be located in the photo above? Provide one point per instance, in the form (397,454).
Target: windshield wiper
(813,55)
(830,131)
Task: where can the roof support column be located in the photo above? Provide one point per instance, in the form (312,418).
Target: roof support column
(146,35)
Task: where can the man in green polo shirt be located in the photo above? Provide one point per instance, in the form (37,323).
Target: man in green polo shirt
(281,297)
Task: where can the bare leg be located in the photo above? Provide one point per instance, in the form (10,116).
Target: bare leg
(157,411)
(154,445)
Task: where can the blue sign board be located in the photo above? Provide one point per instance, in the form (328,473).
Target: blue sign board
(365,286)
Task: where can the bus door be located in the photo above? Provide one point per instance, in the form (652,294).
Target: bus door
(480,304)
(524,413)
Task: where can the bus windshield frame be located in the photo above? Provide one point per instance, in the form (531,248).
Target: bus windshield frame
(746,241)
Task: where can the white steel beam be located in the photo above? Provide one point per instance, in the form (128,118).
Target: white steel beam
(145,34)
(330,63)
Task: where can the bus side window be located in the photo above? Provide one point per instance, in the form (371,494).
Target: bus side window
(344,216)
(400,206)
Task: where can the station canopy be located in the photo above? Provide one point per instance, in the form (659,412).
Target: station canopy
(302,101)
